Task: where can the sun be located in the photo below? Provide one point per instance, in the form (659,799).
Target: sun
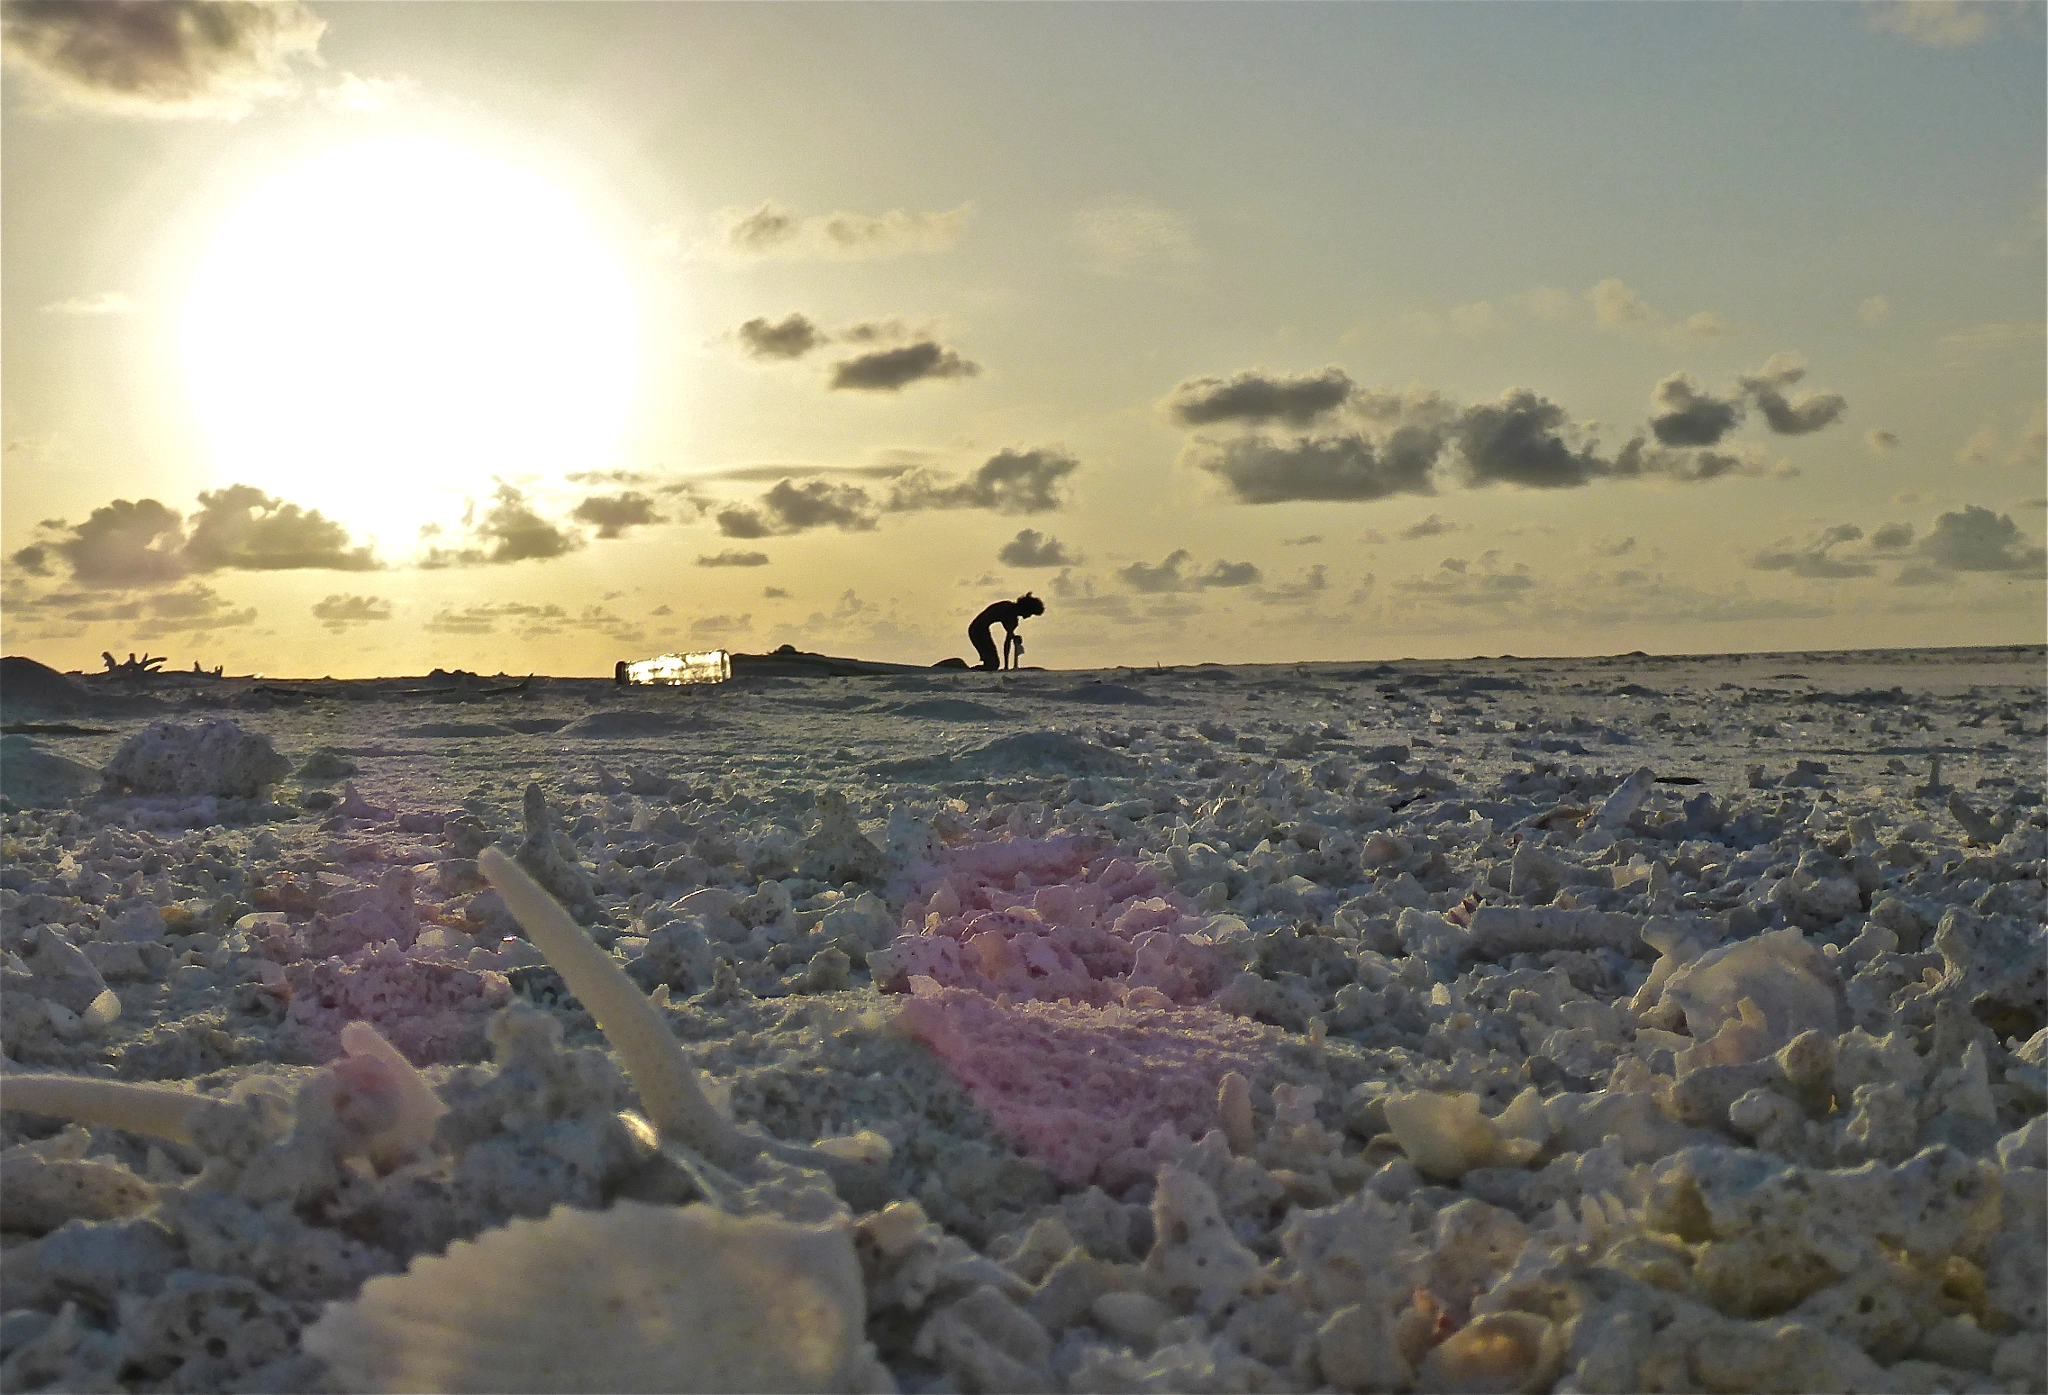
(388,326)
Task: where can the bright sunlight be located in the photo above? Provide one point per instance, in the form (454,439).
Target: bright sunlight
(395,321)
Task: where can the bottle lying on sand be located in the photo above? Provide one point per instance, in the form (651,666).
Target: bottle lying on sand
(711,666)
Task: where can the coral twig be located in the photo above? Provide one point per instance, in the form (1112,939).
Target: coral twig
(156,1110)
(659,1068)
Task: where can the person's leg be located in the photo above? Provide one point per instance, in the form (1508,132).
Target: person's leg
(984,646)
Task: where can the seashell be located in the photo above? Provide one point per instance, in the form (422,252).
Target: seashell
(637,1298)
(1494,1354)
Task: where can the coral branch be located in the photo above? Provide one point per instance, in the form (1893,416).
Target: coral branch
(156,1110)
(660,1069)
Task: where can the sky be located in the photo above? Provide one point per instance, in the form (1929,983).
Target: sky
(353,339)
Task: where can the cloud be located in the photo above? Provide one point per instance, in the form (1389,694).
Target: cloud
(774,593)
(1263,470)
(509,531)
(1892,537)
(1978,540)
(733,557)
(1790,417)
(1992,337)
(1521,440)
(371,96)
(160,58)
(613,514)
(1812,559)
(1620,310)
(1455,583)
(1881,441)
(771,231)
(892,370)
(342,611)
(1380,444)
(722,626)
(1433,526)
(1611,547)
(190,610)
(1615,306)
(243,528)
(1932,23)
(1873,310)
(1257,396)
(145,543)
(1313,583)
(1007,482)
(1031,548)
(1305,540)
(1171,575)
(1682,414)
(791,337)
(103,304)
(795,508)
(483,619)
(1987,445)
(1134,237)
(1010,481)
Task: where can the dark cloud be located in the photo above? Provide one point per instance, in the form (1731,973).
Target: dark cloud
(1892,537)
(160,57)
(1315,581)
(1261,470)
(1031,548)
(508,531)
(1813,559)
(795,508)
(1978,540)
(782,472)
(1172,574)
(1256,397)
(774,593)
(1521,439)
(193,609)
(125,545)
(1305,540)
(144,542)
(769,231)
(892,370)
(1433,526)
(1682,414)
(613,514)
(244,529)
(1007,482)
(788,338)
(339,612)
(733,557)
(1799,416)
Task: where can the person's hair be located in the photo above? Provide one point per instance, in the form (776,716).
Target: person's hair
(1029,604)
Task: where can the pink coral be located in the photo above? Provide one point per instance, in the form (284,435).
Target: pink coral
(431,1011)
(1049,919)
(1075,1085)
(1062,986)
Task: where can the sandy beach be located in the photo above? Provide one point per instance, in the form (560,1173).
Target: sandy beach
(1605,1024)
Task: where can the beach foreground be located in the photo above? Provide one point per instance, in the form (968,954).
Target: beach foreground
(1608,1024)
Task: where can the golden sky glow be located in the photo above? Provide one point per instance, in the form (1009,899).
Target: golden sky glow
(362,339)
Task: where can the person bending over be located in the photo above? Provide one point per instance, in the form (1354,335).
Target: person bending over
(1006,614)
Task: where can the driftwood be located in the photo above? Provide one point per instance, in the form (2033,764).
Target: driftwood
(132,667)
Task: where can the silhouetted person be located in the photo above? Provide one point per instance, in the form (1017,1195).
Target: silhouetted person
(1006,614)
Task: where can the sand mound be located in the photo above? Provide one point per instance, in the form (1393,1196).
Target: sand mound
(1109,694)
(631,723)
(31,686)
(1027,753)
